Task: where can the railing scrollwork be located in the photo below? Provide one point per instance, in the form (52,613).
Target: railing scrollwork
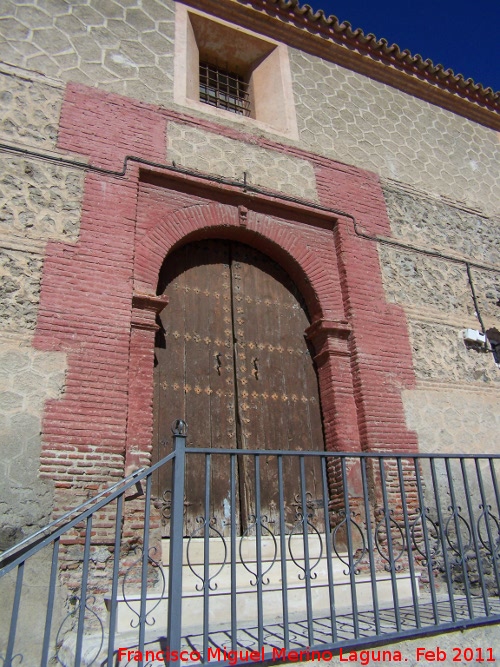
(129,585)
(390,547)
(209,526)
(72,619)
(355,554)
(258,526)
(304,526)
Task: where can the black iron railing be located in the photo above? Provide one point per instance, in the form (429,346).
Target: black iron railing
(266,552)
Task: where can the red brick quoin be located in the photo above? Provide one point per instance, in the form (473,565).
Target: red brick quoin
(98,297)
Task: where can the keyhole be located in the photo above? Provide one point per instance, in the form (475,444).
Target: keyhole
(255,369)
(219,363)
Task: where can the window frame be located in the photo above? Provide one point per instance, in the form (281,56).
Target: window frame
(262,61)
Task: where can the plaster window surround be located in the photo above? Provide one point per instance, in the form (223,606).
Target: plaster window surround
(260,62)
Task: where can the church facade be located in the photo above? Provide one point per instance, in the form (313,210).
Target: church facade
(245,215)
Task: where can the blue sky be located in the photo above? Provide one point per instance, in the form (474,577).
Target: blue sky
(461,34)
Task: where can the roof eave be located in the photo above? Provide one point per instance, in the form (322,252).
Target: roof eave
(299,27)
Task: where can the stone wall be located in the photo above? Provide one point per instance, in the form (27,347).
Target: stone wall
(413,145)
(455,405)
(347,116)
(432,223)
(27,379)
(452,420)
(39,202)
(127,48)
(219,155)
(30,108)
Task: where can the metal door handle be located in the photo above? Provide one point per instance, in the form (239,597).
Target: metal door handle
(219,363)
(255,368)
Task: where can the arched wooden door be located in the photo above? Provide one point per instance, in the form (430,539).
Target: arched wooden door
(232,360)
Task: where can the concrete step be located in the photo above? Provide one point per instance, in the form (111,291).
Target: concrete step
(217,598)
(219,549)
(245,563)
(219,604)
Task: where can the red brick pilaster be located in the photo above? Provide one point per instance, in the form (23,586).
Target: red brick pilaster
(145,309)
(330,341)
(381,357)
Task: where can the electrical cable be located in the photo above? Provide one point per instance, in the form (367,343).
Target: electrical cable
(474,298)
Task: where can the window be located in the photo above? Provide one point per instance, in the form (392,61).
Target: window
(223,89)
(230,72)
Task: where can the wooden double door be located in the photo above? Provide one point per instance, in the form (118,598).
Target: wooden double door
(233,362)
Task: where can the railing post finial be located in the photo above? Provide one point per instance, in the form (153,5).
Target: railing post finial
(179,427)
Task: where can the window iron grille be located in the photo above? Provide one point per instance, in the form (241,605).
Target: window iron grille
(224,90)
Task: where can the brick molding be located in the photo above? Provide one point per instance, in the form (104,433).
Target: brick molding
(98,299)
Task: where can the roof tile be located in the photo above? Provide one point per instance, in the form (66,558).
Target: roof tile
(330,28)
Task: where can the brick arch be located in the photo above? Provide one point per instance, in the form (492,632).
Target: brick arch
(214,220)
(306,253)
